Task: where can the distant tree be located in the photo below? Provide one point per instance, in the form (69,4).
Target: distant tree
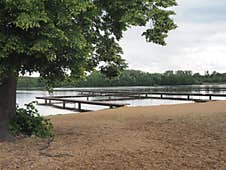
(131,78)
(207,73)
(214,73)
(30,82)
(67,38)
(197,75)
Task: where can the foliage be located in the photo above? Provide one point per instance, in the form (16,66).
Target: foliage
(28,122)
(30,82)
(62,39)
(134,78)
(139,78)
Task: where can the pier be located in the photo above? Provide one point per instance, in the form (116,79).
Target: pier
(50,101)
(106,98)
(155,95)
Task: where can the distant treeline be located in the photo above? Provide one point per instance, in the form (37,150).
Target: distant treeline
(134,78)
(30,82)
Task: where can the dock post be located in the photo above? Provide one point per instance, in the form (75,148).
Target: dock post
(46,102)
(79,106)
(161,96)
(87,98)
(63,105)
(146,95)
(188,97)
(210,97)
(49,102)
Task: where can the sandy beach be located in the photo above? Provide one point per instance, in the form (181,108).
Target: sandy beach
(185,136)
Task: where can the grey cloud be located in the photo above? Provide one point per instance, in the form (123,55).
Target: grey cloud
(201,10)
(196,46)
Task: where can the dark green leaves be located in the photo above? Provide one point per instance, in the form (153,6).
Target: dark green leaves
(161,24)
(28,122)
(63,38)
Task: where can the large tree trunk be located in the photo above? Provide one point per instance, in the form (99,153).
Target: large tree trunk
(7,103)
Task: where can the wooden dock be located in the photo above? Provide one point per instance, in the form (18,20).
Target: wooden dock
(156,95)
(51,100)
(113,95)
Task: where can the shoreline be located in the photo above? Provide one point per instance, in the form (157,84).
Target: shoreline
(184,136)
(163,108)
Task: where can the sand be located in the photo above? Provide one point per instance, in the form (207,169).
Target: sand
(186,136)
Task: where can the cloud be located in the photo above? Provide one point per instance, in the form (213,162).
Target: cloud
(201,11)
(198,44)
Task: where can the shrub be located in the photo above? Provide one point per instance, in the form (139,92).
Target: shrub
(28,121)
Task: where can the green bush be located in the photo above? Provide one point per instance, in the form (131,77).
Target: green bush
(29,122)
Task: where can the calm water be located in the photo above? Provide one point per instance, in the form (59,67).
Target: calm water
(24,97)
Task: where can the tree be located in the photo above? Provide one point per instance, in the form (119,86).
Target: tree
(68,38)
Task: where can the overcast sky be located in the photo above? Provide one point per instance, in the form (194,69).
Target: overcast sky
(198,44)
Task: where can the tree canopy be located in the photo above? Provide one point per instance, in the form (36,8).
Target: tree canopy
(62,38)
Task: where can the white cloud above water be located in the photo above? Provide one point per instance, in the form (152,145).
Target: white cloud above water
(198,44)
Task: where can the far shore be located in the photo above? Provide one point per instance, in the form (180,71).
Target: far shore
(184,136)
(84,87)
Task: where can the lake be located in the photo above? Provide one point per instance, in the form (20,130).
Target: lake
(26,96)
